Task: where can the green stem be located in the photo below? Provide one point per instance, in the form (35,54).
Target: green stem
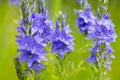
(60,66)
(41,6)
(36,76)
(101,71)
(19,71)
(102,10)
(101,62)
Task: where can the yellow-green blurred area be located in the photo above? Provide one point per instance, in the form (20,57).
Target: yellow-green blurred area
(8,46)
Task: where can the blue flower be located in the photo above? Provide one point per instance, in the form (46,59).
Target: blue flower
(37,66)
(107,65)
(104,31)
(101,31)
(92,58)
(60,48)
(102,34)
(33,60)
(85,20)
(41,24)
(55,33)
(21,31)
(31,51)
(27,56)
(62,41)
(34,32)
(26,43)
(14,1)
(66,37)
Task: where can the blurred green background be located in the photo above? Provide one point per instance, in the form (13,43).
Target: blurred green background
(8,45)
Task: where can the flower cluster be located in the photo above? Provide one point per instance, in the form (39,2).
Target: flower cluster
(85,20)
(104,30)
(101,31)
(34,32)
(103,34)
(62,41)
(42,26)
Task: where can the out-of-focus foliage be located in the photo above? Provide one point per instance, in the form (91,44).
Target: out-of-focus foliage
(8,46)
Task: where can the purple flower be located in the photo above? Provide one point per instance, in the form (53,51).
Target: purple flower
(85,20)
(42,25)
(109,52)
(103,34)
(37,66)
(38,49)
(104,31)
(33,60)
(14,1)
(62,41)
(60,48)
(101,31)
(22,28)
(21,31)
(34,31)
(66,37)
(92,58)
(26,43)
(107,65)
(27,56)
(55,33)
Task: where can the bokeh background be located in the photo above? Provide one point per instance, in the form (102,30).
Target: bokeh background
(8,46)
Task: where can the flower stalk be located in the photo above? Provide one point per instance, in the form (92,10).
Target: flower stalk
(100,30)
(34,31)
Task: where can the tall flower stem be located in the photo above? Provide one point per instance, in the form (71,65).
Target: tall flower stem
(101,32)
(62,43)
(62,67)
(101,66)
(102,9)
(41,5)
(18,69)
(28,63)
